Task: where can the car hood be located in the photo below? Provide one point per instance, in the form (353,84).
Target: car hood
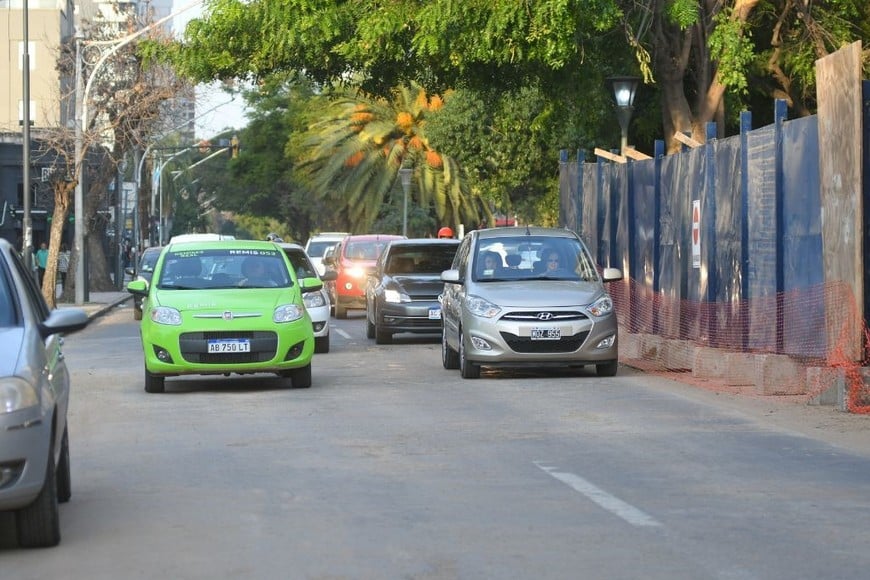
(420,285)
(539,293)
(253,299)
(11,339)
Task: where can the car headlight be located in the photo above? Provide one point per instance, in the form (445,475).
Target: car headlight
(480,307)
(602,306)
(287,313)
(356,272)
(394,296)
(313,300)
(16,394)
(166,315)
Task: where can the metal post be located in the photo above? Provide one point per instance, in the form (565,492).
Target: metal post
(26,222)
(79,201)
(405,175)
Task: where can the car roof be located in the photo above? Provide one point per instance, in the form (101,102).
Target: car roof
(424,242)
(221,244)
(375,237)
(290,246)
(200,237)
(509,232)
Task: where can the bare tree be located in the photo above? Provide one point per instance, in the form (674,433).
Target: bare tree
(125,104)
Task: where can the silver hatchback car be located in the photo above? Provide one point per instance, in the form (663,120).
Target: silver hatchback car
(527,297)
(34,397)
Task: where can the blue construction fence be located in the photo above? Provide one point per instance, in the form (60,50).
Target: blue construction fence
(729,231)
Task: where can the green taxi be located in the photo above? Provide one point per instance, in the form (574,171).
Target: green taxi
(223,307)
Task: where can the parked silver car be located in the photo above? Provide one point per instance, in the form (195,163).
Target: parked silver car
(34,397)
(527,297)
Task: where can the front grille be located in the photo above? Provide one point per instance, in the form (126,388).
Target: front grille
(194,347)
(527,345)
(551,316)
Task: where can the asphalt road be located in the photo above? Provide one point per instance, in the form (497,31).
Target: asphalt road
(390,466)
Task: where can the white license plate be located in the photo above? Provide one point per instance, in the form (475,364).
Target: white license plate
(221,346)
(546,333)
(434,314)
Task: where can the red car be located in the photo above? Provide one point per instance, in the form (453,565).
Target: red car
(353,259)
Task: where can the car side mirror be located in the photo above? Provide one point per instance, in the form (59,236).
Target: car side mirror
(612,274)
(329,276)
(450,276)
(138,287)
(329,260)
(310,284)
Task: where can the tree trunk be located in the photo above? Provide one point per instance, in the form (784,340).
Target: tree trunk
(62,190)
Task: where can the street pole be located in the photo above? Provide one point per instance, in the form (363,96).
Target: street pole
(82,96)
(405,176)
(26,221)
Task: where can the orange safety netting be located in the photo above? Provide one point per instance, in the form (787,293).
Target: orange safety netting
(820,326)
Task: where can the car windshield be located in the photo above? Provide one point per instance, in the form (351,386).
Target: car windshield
(420,259)
(365,249)
(223,268)
(317,249)
(532,258)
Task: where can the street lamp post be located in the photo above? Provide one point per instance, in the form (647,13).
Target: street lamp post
(82,94)
(405,174)
(624,89)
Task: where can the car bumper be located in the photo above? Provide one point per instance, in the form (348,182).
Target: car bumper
(422,317)
(25,439)
(185,352)
(319,320)
(510,343)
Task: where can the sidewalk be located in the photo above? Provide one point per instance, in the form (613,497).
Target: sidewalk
(100,303)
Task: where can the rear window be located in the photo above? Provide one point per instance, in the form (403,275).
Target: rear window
(420,259)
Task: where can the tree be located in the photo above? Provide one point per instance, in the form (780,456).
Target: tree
(124,108)
(356,150)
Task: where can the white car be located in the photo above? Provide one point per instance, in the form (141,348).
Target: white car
(316,303)
(317,245)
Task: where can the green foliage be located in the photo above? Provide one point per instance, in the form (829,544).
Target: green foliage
(730,44)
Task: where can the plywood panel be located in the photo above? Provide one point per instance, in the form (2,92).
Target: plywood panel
(840,153)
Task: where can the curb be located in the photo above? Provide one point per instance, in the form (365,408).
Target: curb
(107,307)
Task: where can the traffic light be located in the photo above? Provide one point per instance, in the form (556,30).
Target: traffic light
(234,147)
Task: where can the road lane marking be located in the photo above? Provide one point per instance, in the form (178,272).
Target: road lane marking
(611,503)
(342,333)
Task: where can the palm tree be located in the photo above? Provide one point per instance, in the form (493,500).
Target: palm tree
(358,146)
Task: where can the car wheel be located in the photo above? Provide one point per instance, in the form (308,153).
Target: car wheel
(153,383)
(64,483)
(467,369)
(382,336)
(607,369)
(321,344)
(370,327)
(449,357)
(39,523)
(301,377)
(340,312)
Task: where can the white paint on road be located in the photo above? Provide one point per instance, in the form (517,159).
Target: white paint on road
(611,503)
(341,332)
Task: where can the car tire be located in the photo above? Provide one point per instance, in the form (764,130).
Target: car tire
(382,336)
(340,312)
(370,327)
(64,482)
(449,357)
(467,369)
(301,377)
(321,344)
(607,369)
(39,523)
(153,383)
